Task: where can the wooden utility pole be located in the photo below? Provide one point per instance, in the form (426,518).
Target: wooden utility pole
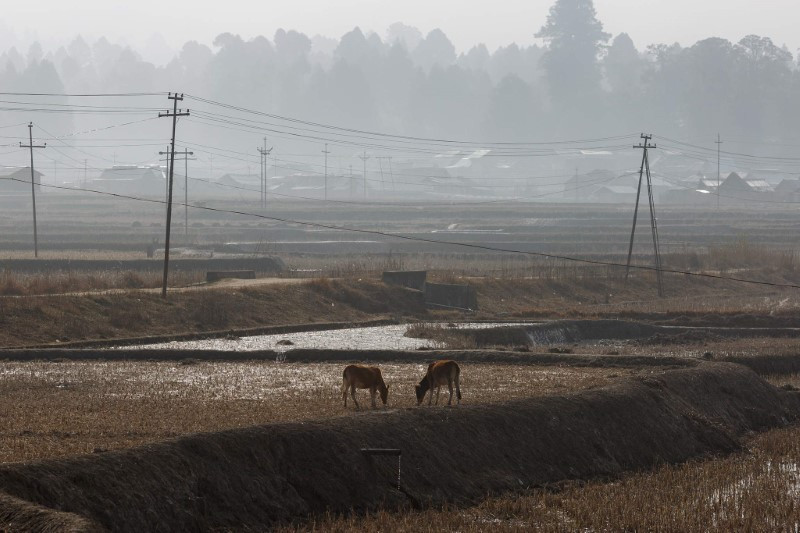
(576,185)
(174,114)
(186,153)
(33,186)
(718,143)
(380,167)
(645,170)
(364,158)
(389,158)
(166,181)
(352,183)
(326,152)
(263,153)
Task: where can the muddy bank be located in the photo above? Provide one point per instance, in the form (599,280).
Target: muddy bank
(576,331)
(310,355)
(256,477)
(63,319)
(218,334)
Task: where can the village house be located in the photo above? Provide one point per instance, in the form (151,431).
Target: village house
(132,180)
(17,180)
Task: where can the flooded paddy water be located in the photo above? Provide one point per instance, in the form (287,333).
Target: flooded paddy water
(390,337)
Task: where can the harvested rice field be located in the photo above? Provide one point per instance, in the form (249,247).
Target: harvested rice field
(58,409)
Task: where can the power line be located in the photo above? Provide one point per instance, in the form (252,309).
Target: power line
(433,241)
(321,137)
(394,136)
(79,95)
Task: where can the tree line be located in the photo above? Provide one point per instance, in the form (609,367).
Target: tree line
(579,82)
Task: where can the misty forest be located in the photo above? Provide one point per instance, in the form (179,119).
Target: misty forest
(580,83)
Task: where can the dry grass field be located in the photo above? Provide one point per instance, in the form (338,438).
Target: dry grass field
(755,490)
(67,408)
(57,409)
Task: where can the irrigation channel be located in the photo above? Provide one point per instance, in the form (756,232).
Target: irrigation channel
(648,410)
(480,334)
(388,337)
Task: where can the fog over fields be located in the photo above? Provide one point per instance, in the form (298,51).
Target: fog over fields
(571,97)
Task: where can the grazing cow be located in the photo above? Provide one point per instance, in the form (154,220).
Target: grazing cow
(439,373)
(363,377)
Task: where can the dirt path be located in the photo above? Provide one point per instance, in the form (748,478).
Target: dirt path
(227,283)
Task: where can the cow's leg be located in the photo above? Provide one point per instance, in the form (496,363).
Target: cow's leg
(438,390)
(345,386)
(430,386)
(353,394)
(458,390)
(450,386)
(373,392)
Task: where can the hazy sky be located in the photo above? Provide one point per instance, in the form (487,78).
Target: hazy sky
(466,22)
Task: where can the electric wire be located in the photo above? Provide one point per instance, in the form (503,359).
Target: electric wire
(400,236)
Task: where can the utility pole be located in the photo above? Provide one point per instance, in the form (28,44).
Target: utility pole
(364,158)
(389,158)
(326,152)
(645,168)
(263,152)
(352,183)
(174,114)
(718,143)
(33,186)
(186,153)
(380,166)
(166,181)
(576,185)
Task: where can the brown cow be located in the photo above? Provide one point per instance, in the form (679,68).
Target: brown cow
(440,373)
(363,377)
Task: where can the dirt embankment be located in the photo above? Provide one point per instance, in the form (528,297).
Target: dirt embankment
(314,355)
(574,331)
(255,477)
(37,320)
